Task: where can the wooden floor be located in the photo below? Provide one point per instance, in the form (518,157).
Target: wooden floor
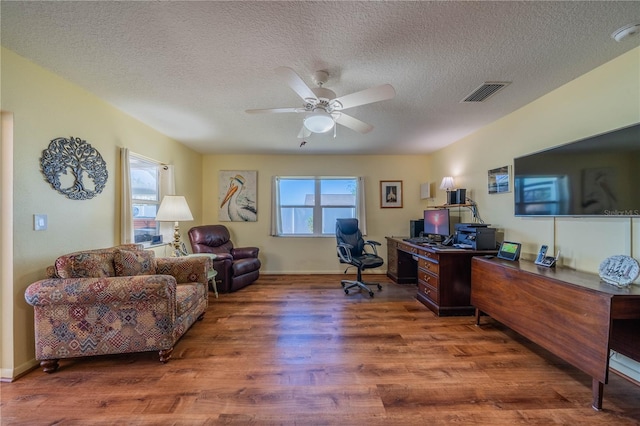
(297,350)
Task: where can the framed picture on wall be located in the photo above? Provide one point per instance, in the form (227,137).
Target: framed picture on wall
(499,180)
(390,194)
(237,193)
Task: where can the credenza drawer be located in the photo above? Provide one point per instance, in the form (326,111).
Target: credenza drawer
(429,292)
(427,265)
(428,278)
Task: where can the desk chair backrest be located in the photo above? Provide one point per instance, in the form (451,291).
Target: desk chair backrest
(347,231)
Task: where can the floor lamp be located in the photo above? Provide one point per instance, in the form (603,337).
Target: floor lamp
(174,208)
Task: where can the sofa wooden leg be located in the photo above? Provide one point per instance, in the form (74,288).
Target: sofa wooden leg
(49,365)
(165,354)
(201,317)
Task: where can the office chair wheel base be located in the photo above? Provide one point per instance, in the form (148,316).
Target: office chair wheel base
(370,294)
(345,290)
(379,287)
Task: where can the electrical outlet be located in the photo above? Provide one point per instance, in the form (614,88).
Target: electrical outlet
(39,222)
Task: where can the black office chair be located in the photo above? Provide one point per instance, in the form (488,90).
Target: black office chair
(351,250)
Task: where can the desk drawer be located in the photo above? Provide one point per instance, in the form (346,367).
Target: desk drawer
(429,255)
(429,292)
(427,265)
(407,248)
(427,278)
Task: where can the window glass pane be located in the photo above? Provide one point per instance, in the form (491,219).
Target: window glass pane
(144,180)
(338,192)
(297,220)
(297,192)
(144,211)
(145,195)
(329,216)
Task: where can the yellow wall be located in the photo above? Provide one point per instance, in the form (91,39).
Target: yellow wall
(604,99)
(44,107)
(308,254)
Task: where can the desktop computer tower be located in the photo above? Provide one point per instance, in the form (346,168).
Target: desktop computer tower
(416,227)
(461,196)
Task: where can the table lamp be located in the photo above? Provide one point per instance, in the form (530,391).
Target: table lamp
(447,184)
(174,208)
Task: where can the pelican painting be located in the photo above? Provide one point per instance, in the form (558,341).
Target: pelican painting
(238,203)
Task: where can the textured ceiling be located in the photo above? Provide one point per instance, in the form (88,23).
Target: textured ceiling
(190,69)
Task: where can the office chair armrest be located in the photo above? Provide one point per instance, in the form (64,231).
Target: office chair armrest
(373,245)
(344,252)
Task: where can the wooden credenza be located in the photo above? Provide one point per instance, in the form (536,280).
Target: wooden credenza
(571,314)
(443,275)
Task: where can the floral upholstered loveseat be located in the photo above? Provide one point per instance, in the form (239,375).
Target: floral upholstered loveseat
(116,300)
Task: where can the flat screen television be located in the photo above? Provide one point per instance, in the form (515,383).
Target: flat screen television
(596,176)
(437,223)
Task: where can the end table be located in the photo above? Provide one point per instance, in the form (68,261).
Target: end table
(211,275)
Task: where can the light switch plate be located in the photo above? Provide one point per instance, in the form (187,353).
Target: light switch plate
(39,222)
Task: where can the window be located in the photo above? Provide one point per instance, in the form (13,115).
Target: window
(309,206)
(145,197)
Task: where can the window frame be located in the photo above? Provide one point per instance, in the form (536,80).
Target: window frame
(318,208)
(146,162)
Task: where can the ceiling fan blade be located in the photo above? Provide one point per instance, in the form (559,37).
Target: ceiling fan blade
(304,133)
(367,96)
(273,110)
(354,123)
(296,83)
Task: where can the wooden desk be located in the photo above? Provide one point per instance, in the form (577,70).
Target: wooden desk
(571,314)
(443,275)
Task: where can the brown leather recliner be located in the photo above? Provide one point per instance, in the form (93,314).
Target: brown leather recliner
(236,267)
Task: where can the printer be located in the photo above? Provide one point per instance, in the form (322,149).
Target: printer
(476,236)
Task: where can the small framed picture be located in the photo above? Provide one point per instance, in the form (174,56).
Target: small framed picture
(390,194)
(499,180)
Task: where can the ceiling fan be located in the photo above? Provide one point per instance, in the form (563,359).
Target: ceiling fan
(322,108)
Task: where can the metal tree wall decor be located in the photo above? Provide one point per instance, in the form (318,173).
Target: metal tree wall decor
(68,163)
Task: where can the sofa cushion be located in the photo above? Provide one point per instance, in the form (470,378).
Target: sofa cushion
(129,263)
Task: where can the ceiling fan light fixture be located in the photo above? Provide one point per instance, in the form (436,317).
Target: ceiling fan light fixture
(626,32)
(319,122)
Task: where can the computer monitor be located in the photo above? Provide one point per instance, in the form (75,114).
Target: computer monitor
(436,223)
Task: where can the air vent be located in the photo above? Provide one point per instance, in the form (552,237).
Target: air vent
(485,91)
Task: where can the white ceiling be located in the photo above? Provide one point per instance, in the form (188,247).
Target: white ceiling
(190,69)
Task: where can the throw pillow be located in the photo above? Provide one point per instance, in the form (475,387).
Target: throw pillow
(91,265)
(140,262)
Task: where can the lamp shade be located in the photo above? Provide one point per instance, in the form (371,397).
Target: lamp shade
(174,208)
(447,183)
(318,122)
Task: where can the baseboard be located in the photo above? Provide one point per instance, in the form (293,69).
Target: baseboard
(9,375)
